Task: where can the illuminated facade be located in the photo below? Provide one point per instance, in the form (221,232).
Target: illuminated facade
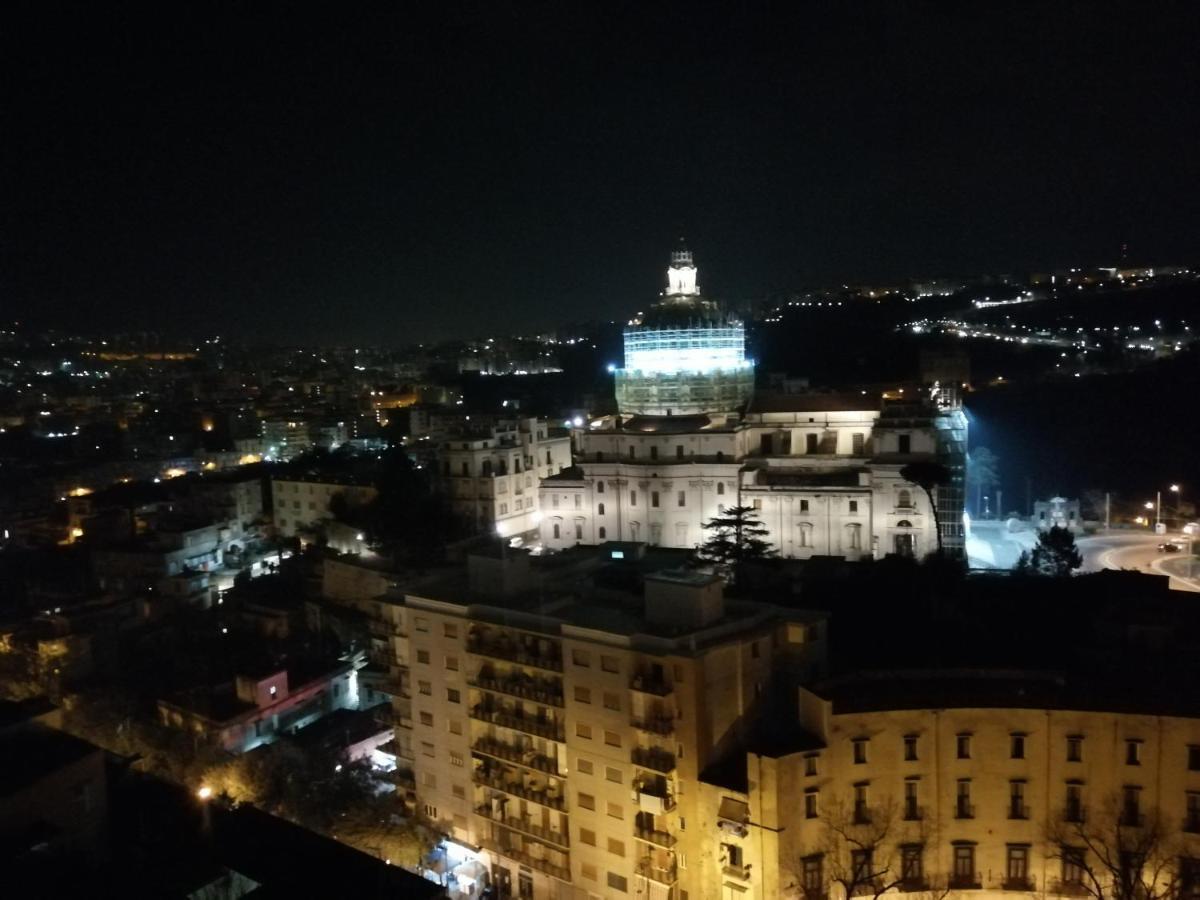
(684,357)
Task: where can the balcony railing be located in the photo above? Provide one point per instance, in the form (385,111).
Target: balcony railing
(649,684)
(659,725)
(526,826)
(913,885)
(966,881)
(742,872)
(651,836)
(516,789)
(662,874)
(526,689)
(1067,888)
(654,759)
(1017,884)
(542,865)
(513,652)
(544,728)
(521,757)
(655,801)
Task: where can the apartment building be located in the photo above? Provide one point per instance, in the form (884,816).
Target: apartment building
(491,472)
(979,784)
(301,502)
(562,710)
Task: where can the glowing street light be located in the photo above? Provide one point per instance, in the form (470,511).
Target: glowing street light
(205,792)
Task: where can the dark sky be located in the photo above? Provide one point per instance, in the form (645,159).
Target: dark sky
(459,169)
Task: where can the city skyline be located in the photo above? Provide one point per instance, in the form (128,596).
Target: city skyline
(510,168)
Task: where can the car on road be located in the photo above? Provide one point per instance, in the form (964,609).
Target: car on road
(1169,548)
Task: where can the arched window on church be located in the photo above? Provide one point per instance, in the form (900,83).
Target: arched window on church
(904,499)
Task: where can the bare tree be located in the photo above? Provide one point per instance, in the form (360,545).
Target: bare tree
(1117,852)
(867,851)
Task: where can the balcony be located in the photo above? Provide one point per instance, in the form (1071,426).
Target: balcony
(742,872)
(517,789)
(542,865)
(543,728)
(512,651)
(966,881)
(658,838)
(914,885)
(527,758)
(654,800)
(525,826)
(1017,884)
(1067,888)
(654,759)
(649,684)
(663,875)
(663,726)
(539,691)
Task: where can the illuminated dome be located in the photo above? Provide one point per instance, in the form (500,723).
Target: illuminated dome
(684,357)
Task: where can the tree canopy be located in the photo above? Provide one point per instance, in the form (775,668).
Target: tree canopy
(736,535)
(1055,555)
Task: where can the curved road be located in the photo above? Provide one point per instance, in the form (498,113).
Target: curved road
(1138,551)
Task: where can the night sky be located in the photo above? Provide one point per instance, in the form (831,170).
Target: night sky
(456,170)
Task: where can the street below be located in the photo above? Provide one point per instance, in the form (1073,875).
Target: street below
(1139,551)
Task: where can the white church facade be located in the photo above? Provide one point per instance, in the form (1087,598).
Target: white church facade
(822,470)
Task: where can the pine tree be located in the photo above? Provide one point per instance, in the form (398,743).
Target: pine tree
(737,536)
(1055,555)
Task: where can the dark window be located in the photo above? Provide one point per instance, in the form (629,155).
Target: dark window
(1017,869)
(910,747)
(810,804)
(1017,748)
(765,444)
(853,506)
(813,877)
(810,765)
(1073,810)
(1016,800)
(599,487)
(1074,749)
(1072,865)
(654,499)
(811,442)
(1133,753)
(860,751)
(963,808)
(654,453)
(599,509)
(964,864)
(912,811)
(679,451)
(857,442)
(602,532)
(904,443)
(912,864)
(963,746)
(1194,758)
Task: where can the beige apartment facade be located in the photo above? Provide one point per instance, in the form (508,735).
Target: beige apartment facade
(1016,799)
(559,742)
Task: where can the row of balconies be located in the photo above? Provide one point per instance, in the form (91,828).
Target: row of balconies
(662,726)
(667,875)
(563,873)
(526,826)
(540,690)
(653,836)
(552,800)
(526,653)
(650,684)
(541,727)
(521,756)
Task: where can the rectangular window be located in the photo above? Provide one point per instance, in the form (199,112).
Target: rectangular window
(449,629)
(1072,865)
(613,774)
(452,663)
(423,656)
(581,658)
(1017,746)
(618,882)
(586,801)
(582,694)
(633,498)
(615,847)
(853,506)
(811,443)
(456,759)
(654,499)
(858,442)
(962,746)
(587,836)
(803,506)
(610,664)
(964,865)
(1016,800)
(426,718)
(681,498)
(1074,749)
(1017,868)
(912,864)
(1131,805)
(963,808)
(810,803)
(583,731)
(615,811)
(860,751)
(862,811)
(1133,753)
(1073,809)
(812,876)
(425,687)
(427,749)
(454,726)
(912,809)
(810,765)
(1193,758)
(459,791)
(612,701)
(612,739)
(453,695)
(910,747)
(904,445)
(584,766)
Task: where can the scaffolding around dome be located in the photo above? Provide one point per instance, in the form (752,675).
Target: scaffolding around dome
(684,370)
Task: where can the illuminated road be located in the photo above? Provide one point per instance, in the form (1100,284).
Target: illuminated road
(1136,551)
